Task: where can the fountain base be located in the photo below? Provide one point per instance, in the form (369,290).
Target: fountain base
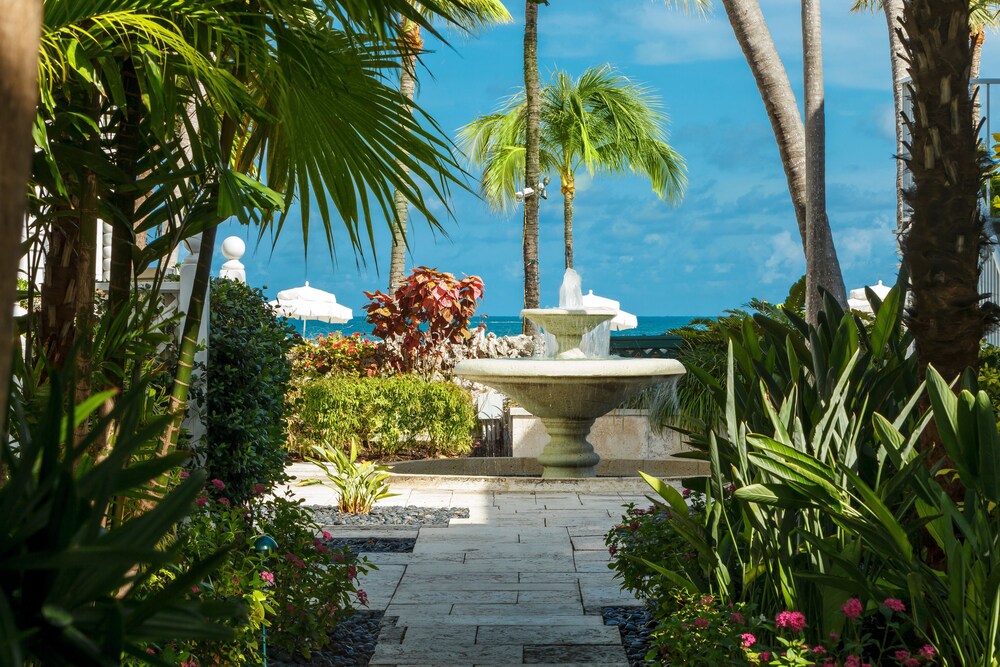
(568,453)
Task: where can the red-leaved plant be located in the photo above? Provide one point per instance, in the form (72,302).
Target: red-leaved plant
(427,312)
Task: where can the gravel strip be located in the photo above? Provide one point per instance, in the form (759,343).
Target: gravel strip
(635,625)
(389,515)
(396,545)
(351,643)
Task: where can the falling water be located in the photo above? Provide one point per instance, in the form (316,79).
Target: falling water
(596,343)
(571,291)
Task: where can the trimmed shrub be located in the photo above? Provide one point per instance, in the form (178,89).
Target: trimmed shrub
(248,374)
(382,416)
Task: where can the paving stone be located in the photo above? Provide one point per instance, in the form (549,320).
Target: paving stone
(611,596)
(555,617)
(536,596)
(549,577)
(548,634)
(574,653)
(483,584)
(527,610)
(441,653)
(446,634)
(410,596)
(589,543)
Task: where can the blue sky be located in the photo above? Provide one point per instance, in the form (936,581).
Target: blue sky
(734,235)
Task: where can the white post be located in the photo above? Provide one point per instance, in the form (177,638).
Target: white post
(194,422)
(233,248)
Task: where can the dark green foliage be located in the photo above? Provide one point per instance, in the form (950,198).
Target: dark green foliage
(383,416)
(68,593)
(248,374)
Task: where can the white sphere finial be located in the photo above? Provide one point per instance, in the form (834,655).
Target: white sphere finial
(233,247)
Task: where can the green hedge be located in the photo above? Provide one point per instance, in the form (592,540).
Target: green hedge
(382,415)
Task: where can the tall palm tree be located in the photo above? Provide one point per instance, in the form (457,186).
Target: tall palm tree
(942,245)
(467,15)
(754,38)
(19,34)
(815,135)
(601,121)
(532,137)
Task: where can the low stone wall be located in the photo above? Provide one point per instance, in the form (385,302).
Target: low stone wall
(620,434)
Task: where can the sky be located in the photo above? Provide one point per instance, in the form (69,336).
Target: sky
(733,237)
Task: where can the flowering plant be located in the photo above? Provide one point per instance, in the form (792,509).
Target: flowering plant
(647,535)
(701,631)
(335,354)
(877,639)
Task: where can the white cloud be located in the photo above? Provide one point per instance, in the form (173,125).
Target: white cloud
(785,259)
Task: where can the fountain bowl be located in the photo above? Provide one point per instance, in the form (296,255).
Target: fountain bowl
(568,395)
(568,326)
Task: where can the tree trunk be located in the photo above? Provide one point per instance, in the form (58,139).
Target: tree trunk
(942,246)
(815,134)
(768,71)
(125,200)
(407,83)
(20,31)
(893,17)
(532,143)
(195,311)
(976,40)
(568,193)
(57,328)
(84,278)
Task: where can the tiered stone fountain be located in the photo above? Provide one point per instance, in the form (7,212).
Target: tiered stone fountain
(570,388)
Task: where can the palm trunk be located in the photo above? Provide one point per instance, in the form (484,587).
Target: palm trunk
(20,31)
(532,144)
(893,16)
(976,40)
(84,273)
(942,246)
(407,83)
(195,311)
(125,199)
(755,40)
(568,193)
(818,265)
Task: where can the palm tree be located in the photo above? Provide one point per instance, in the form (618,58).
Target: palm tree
(754,38)
(601,121)
(19,35)
(942,245)
(467,15)
(532,138)
(983,15)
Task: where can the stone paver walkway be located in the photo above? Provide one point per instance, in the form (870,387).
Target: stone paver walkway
(521,581)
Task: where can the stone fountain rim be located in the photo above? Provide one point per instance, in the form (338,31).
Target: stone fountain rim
(547,370)
(597,311)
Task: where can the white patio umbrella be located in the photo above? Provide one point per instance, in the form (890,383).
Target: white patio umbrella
(309,303)
(858,300)
(619,322)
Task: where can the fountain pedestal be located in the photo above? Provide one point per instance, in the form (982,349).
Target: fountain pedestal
(568,453)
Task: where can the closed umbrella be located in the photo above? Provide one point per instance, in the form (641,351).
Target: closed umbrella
(619,322)
(859,299)
(309,303)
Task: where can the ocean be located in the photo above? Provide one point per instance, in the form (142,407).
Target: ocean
(501,325)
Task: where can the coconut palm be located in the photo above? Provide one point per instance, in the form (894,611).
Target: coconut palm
(467,15)
(601,121)
(754,38)
(532,145)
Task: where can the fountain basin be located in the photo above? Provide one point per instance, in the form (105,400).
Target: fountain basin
(568,326)
(568,395)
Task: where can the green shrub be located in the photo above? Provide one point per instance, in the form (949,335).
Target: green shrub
(248,374)
(359,485)
(382,416)
(335,354)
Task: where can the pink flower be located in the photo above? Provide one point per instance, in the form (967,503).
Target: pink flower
(634,525)
(911,662)
(218,484)
(184,475)
(707,600)
(327,536)
(201,501)
(259,489)
(737,617)
(224,501)
(362,597)
(686,493)
(792,620)
(267,577)
(195,589)
(927,651)
(189,663)
(901,654)
(852,661)
(701,623)
(612,550)
(747,640)
(150,651)
(894,605)
(852,608)
(352,572)
(765,656)
(819,649)
(295,560)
